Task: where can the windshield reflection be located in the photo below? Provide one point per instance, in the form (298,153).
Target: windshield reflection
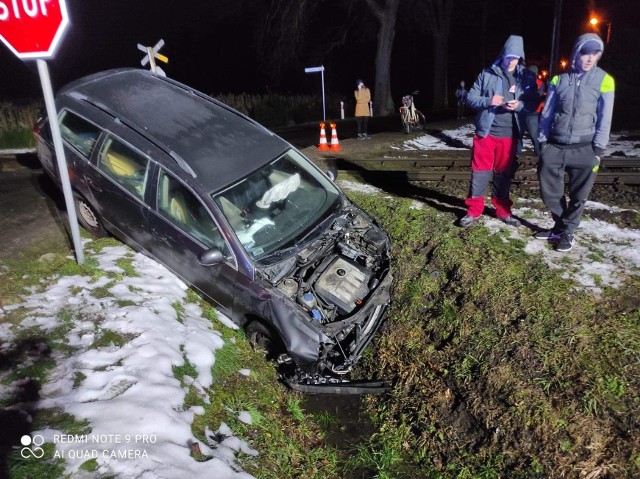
(275,206)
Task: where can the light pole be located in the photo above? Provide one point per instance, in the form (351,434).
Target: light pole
(321,70)
(555,38)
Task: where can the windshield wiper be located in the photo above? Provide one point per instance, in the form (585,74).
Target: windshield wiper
(320,226)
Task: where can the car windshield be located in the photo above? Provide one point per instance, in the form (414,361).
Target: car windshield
(276,206)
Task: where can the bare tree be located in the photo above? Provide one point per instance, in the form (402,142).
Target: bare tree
(386,12)
(281,40)
(282,34)
(437,14)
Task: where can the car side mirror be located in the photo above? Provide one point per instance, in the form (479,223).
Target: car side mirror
(211,257)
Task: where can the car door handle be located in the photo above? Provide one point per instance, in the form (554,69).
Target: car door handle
(92,184)
(158,235)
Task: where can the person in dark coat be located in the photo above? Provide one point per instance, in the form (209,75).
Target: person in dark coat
(501,94)
(461,95)
(574,131)
(533,118)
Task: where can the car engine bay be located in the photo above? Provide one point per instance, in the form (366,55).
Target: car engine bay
(335,280)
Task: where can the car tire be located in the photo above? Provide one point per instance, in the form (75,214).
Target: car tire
(88,218)
(260,336)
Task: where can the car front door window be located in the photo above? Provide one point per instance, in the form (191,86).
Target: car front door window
(177,204)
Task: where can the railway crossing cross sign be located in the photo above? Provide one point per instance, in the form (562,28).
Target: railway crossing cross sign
(32,28)
(152,54)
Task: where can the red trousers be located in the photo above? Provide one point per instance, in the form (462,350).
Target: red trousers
(493,158)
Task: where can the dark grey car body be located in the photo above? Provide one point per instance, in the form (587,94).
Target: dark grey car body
(323,296)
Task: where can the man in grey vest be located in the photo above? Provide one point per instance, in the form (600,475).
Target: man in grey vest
(574,132)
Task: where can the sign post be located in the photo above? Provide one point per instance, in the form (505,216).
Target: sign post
(321,70)
(32,30)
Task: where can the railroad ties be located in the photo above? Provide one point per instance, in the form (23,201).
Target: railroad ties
(613,170)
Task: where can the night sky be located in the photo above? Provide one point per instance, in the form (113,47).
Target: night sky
(211,44)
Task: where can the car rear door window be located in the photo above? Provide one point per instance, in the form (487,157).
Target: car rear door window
(125,166)
(78,132)
(183,209)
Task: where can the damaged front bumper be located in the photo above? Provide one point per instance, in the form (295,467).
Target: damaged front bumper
(344,387)
(348,338)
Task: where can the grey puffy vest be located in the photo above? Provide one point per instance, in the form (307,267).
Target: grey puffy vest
(576,107)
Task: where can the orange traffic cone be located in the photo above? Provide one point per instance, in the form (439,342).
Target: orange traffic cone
(323,139)
(335,146)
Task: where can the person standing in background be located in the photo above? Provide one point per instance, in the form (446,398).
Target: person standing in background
(461,95)
(362,114)
(532,118)
(500,94)
(574,131)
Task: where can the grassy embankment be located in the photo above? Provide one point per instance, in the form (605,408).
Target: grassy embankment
(289,440)
(501,368)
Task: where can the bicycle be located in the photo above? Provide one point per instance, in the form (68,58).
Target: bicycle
(412,118)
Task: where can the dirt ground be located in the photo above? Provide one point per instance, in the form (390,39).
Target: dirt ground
(31,207)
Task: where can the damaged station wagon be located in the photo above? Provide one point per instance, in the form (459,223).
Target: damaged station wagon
(231,208)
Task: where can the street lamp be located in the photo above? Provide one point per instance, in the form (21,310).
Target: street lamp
(594,21)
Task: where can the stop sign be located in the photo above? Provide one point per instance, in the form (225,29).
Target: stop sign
(32,28)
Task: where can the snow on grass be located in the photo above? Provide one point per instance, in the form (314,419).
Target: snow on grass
(128,392)
(604,254)
(348,185)
(626,144)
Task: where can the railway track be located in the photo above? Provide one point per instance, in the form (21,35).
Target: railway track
(613,170)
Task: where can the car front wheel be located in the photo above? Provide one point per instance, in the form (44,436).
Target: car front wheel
(88,217)
(263,337)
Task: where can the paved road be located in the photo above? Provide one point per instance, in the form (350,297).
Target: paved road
(31,208)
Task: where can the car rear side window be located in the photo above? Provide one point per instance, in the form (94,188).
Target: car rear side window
(78,132)
(183,209)
(125,166)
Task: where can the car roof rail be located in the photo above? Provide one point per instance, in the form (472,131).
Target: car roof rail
(177,158)
(183,164)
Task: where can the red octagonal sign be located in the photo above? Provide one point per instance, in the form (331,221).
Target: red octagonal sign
(32,28)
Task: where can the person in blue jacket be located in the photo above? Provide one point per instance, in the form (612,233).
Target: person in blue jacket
(574,132)
(501,94)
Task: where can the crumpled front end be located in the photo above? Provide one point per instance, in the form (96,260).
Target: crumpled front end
(340,288)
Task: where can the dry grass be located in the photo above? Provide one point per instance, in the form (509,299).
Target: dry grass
(275,110)
(16,124)
(17,117)
(501,368)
